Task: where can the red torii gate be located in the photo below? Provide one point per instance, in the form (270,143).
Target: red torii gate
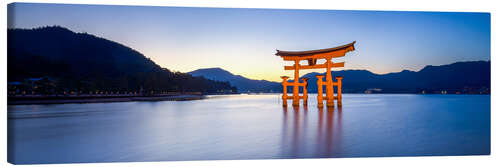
(312,56)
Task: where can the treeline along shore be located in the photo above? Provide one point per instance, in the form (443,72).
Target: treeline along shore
(101,98)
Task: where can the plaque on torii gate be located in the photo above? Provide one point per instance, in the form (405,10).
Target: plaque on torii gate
(312,56)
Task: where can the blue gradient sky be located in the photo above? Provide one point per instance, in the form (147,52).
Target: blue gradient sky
(244,41)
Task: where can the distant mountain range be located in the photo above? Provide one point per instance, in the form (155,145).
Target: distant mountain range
(461,77)
(243,84)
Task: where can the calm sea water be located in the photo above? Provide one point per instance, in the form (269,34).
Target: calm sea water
(249,127)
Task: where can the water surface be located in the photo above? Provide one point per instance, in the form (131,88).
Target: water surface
(249,127)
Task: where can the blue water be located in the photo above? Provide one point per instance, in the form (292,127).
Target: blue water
(249,127)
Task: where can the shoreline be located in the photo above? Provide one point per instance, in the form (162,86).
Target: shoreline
(35,100)
(106,99)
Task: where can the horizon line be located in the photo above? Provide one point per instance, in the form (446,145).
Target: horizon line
(206,68)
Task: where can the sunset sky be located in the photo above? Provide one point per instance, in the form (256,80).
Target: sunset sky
(244,41)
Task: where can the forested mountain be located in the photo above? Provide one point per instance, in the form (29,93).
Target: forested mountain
(83,62)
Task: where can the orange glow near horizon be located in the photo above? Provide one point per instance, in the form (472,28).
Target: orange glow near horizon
(270,71)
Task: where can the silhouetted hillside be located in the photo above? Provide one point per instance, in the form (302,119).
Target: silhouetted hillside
(243,84)
(461,77)
(83,62)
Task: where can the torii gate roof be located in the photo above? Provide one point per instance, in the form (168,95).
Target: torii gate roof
(312,52)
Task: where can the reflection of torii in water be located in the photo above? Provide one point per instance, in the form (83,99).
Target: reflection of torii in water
(294,141)
(296,135)
(329,140)
(312,56)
